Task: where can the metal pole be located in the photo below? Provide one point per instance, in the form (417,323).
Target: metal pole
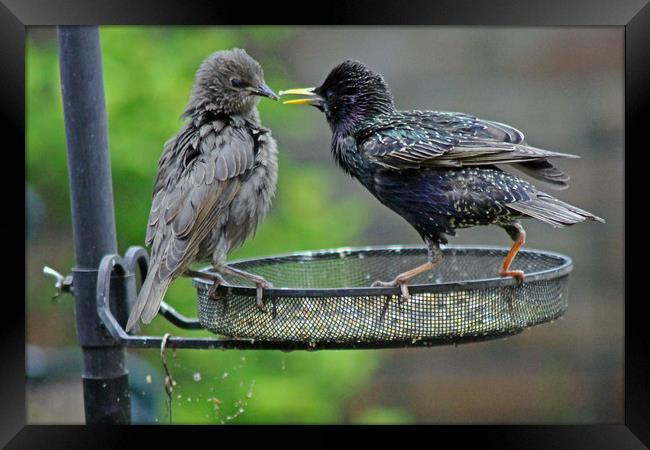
(105,378)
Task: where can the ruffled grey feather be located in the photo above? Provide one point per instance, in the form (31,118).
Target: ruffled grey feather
(200,176)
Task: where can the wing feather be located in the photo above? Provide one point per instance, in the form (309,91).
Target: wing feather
(194,186)
(415,139)
(199,194)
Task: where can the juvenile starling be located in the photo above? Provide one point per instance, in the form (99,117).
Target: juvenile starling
(215,180)
(438,170)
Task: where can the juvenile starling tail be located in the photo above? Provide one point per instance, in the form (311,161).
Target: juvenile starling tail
(149,299)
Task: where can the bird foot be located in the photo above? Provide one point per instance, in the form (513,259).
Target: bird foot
(397,282)
(209,276)
(518,274)
(260,286)
(260,282)
(212,290)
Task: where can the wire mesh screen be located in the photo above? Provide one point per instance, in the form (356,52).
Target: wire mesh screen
(325,296)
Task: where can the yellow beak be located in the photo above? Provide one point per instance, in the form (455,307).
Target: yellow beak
(300,101)
(301,91)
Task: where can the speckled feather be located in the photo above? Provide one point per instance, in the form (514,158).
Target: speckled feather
(412,139)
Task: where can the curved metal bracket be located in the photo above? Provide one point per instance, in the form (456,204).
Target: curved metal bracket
(138,256)
(108,264)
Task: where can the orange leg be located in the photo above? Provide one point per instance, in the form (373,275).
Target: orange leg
(401,280)
(518,234)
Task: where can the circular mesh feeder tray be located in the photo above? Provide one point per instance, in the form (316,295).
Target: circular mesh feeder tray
(323,297)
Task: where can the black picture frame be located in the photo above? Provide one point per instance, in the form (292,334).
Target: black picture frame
(633,15)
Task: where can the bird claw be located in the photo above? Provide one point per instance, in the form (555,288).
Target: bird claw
(260,286)
(260,283)
(215,278)
(212,290)
(405,294)
(518,274)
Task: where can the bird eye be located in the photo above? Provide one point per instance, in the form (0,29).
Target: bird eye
(236,82)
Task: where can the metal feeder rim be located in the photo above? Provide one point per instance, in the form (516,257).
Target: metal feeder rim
(230,289)
(111,263)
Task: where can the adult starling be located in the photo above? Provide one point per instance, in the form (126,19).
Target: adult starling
(438,170)
(215,180)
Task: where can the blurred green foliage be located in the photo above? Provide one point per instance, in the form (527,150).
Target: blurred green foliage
(148,73)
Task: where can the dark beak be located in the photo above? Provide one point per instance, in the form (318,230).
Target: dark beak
(265,91)
(314,99)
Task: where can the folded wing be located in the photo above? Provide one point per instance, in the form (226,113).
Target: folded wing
(415,139)
(186,206)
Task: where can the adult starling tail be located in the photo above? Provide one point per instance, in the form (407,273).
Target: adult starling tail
(149,299)
(543,170)
(553,211)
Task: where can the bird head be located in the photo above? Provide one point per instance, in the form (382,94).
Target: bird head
(229,82)
(350,93)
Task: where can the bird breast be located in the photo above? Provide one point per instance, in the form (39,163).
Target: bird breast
(250,205)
